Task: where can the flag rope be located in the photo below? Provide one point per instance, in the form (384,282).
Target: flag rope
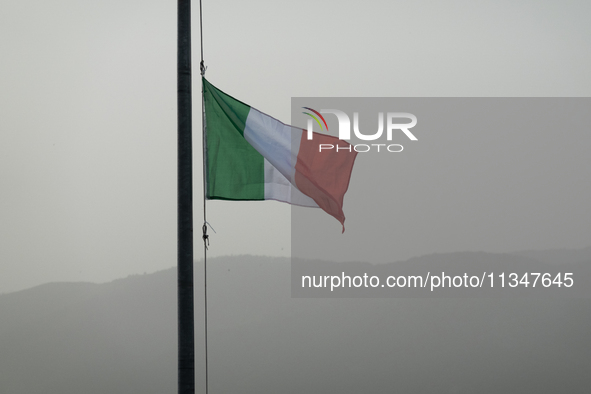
(205,236)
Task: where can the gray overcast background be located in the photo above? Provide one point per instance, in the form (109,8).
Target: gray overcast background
(88,110)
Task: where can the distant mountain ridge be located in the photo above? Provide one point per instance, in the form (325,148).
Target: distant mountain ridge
(558,256)
(120,337)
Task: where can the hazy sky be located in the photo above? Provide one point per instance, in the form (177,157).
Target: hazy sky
(88,107)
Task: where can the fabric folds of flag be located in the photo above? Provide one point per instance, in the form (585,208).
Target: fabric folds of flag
(251,156)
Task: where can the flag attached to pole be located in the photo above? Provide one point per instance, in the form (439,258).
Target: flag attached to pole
(251,156)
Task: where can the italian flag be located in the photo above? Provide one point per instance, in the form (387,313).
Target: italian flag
(252,156)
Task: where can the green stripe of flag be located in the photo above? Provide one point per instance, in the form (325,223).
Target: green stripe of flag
(235,170)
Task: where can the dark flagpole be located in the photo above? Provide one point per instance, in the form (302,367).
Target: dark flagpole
(186,345)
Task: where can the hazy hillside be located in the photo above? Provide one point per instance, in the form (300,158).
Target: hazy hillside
(559,256)
(87,338)
(120,337)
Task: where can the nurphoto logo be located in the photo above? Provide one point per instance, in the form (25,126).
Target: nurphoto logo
(392,126)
